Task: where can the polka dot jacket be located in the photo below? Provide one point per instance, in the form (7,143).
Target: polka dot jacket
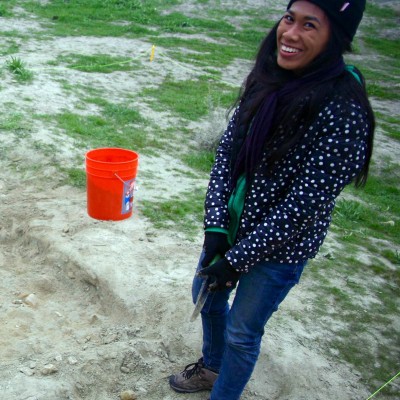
(287,213)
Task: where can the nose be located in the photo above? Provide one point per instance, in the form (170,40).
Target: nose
(291,33)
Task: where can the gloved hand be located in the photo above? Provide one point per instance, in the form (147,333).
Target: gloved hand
(223,274)
(215,244)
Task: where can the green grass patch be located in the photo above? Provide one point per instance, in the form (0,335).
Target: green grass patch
(6,8)
(383,46)
(91,17)
(382,92)
(9,48)
(390,129)
(12,121)
(101,63)
(101,132)
(190,99)
(353,315)
(76,177)
(205,54)
(182,212)
(100,18)
(116,125)
(200,160)
(379,12)
(357,222)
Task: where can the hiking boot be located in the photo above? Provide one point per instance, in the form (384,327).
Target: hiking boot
(193,378)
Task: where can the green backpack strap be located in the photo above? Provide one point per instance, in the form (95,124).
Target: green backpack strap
(353,71)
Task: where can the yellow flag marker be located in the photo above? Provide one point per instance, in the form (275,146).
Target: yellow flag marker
(153,50)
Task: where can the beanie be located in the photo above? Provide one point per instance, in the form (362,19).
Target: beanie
(346,14)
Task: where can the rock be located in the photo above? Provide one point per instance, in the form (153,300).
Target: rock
(49,369)
(128,395)
(31,300)
(72,360)
(94,318)
(110,338)
(389,223)
(26,371)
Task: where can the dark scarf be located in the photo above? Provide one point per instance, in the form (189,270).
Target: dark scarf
(250,154)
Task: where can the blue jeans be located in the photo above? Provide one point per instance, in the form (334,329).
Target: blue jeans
(232,336)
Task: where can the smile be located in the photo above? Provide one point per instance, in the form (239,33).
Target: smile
(289,49)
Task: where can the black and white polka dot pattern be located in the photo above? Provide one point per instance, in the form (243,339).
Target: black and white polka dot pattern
(287,213)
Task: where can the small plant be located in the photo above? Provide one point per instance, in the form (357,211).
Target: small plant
(17,67)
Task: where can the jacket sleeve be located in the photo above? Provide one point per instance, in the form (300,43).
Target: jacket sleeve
(332,162)
(219,191)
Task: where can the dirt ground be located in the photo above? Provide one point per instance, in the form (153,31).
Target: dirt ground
(90,309)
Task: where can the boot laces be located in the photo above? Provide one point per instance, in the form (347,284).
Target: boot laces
(192,369)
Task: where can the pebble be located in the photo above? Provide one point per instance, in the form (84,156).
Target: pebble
(72,360)
(26,371)
(389,223)
(49,369)
(110,339)
(128,395)
(94,319)
(31,300)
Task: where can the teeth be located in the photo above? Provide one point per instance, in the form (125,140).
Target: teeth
(290,49)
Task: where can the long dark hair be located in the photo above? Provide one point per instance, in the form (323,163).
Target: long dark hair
(267,76)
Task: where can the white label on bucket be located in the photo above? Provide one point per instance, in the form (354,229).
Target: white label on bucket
(127,196)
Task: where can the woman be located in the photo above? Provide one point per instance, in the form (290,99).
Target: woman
(302,131)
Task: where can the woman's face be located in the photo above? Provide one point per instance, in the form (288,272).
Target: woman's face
(302,35)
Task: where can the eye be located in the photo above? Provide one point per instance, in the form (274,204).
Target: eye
(288,18)
(309,25)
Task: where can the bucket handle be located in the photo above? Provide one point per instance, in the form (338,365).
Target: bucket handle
(135,187)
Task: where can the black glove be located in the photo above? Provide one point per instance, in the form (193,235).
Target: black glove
(223,275)
(215,244)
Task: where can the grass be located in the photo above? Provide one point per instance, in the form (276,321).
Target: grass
(357,311)
(100,132)
(378,41)
(190,99)
(76,177)
(6,8)
(177,208)
(12,121)
(11,48)
(18,68)
(389,124)
(199,160)
(98,18)
(358,308)
(100,63)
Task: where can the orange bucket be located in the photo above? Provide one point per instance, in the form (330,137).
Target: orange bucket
(110,183)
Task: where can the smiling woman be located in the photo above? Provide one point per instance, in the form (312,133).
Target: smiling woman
(302,130)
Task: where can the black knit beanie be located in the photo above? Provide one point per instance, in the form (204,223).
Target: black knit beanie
(346,14)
